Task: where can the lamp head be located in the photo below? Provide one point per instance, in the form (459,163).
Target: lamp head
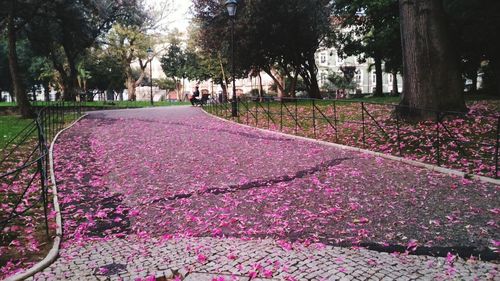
(150,53)
(231,6)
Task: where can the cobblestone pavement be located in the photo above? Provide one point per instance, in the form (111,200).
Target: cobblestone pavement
(235,259)
(211,258)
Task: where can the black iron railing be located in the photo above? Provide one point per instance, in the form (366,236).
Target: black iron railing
(465,141)
(24,163)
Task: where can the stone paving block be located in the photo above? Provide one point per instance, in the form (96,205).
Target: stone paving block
(209,277)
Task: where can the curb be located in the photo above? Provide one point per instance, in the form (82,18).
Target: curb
(54,252)
(430,167)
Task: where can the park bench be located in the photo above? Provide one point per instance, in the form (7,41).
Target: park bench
(203,101)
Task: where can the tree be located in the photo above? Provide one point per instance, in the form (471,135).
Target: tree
(475,25)
(370,29)
(64,30)
(5,80)
(131,38)
(14,15)
(430,63)
(104,71)
(173,62)
(130,43)
(270,35)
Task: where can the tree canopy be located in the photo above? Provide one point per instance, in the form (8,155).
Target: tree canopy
(278,37)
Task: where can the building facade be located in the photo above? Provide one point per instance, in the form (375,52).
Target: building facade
(328,61)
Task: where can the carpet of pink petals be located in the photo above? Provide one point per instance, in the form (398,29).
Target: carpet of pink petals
(180,173)
(466,142)
(23,238)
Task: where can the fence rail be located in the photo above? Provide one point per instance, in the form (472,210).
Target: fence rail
(24,169)
(466,141)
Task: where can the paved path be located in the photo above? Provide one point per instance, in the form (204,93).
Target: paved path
(171,192)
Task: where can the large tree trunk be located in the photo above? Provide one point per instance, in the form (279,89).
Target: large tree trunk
(278,80)
(379,91)
(495,79)
(178,87)
(46,91)
(130,84)
(71,81)
(310,77)
(431,66)
(224,91)
(23,103)
(293,85)
(71,88)
(261,88)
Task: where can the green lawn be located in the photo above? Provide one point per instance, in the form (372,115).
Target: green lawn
(108,104)
(10,126)
(130,104)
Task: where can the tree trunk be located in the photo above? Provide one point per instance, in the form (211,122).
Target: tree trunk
(261,88)
(71,81)
(183,96)
(23,103)
(178,87)
(293,85)
(430,63)
(46,91)
(279,82)
(493,80)
(473,88)
(224,91)
(310,78)
(379,91)
(130,84)
(395,88)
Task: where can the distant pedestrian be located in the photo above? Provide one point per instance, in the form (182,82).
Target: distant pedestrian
(194,97)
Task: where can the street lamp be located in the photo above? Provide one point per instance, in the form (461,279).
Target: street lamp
(150,58)
(231,6)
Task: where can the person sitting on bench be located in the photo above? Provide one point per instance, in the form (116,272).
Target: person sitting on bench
(195,96)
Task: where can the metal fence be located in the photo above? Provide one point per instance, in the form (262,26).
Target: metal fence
(24,167)
(465,141)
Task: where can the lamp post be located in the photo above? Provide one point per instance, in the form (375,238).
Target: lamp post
(231,6)
(150,58)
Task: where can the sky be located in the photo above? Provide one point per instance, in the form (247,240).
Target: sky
(180,17)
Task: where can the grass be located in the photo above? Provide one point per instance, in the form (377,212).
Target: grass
(108,104)
(10,126)
(132,104)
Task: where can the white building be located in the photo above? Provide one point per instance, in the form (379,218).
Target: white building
(328,60)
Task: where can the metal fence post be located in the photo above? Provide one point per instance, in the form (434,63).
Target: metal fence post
(296,116)
(247,111)
(256,114)
(281,115)
(398,132)
(40,170)
(438,143)
(497,148)
(62,116)
(335,121)
(268,115)
(238,111)
(314,117)
(363,122)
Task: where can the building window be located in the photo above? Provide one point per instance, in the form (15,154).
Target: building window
(359,77)
(340,60)
(322,58)
(374,78)
(323,78)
